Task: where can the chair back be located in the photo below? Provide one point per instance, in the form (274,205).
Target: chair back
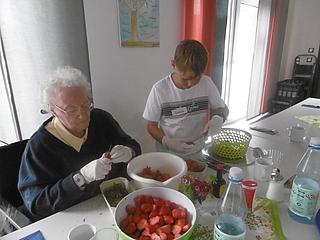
(10,158)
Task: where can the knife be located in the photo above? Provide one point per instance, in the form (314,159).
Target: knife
(265,130)
(310,106)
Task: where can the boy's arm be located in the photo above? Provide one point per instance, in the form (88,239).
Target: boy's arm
(155,131)
(222,112)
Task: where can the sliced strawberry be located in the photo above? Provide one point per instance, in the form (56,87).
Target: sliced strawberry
(150,229)
(181,222)
(175,213)
(124,223)
(154,220)
(158,201)
(176,229)
(135,235)
(164,210)
(186,227)
(131,228)
(146,207)
(178,213)
(161,221)
(155,236)
(170,236)
(146,232)
(164,229)
(183,212)
(148,199)
(163,236)
(142,224)
(144,237)
(154,207)
(168,219)
(139,200)
(177,235)
(153,214)
(167,203)
(136,218)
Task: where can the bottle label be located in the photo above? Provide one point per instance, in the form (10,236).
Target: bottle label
(219,235)
(222,189)
(303,201)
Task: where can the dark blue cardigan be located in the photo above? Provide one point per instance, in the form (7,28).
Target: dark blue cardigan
(45,179)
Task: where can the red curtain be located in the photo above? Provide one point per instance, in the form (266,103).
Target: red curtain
(278,18)
(198,22)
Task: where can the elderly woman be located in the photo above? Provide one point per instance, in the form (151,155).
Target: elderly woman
(73,151)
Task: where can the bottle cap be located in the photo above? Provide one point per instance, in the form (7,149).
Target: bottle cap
(276,175)
(220,166)
(235,173)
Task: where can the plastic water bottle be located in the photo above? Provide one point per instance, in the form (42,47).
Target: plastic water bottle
(232,210)
(305,187)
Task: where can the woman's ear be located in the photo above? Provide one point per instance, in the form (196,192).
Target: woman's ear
(51,110)
(173,63)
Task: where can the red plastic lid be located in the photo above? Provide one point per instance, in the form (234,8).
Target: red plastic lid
(249,183)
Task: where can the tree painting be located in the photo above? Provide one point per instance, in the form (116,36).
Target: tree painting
(139,23)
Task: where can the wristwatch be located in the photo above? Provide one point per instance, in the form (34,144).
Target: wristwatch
(79,180)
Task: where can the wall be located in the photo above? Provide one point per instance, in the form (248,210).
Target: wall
(302,32)
(122,77)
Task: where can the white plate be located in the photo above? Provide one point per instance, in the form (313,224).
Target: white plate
(237,162)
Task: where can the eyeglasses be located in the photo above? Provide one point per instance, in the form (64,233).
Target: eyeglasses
(74,111)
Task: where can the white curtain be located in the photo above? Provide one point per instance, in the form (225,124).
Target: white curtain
(38,36)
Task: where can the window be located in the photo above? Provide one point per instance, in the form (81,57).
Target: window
(37,37)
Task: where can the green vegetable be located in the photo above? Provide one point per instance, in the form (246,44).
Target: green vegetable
(115,193)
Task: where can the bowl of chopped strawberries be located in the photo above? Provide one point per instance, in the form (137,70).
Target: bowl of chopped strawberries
(155,213)
(157,169)
(196,168)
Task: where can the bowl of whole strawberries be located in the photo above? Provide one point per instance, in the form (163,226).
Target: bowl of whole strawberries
(155,213)
(157,169)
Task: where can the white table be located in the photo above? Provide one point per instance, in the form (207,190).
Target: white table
(94,210)
(283,120)
(57,226)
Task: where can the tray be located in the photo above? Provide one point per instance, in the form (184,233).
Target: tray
(264,222)
(105,185)
(238,162)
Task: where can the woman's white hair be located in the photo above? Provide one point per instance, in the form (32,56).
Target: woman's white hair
(63,77)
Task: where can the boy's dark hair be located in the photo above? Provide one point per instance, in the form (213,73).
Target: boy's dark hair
(191,55)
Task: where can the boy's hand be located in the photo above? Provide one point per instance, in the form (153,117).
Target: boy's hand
(177,145)
(215,125)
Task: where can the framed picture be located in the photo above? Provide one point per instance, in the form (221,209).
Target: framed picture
(139,23)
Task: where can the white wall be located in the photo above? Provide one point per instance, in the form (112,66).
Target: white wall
(302,32)
(122,77)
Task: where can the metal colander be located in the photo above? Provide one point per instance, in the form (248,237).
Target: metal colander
(231,143)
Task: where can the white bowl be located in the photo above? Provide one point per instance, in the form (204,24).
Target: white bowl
(164,193)
(165,162)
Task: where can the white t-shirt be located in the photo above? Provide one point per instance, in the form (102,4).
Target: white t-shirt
(182,113)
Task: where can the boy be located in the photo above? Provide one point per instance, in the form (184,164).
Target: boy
(180,105)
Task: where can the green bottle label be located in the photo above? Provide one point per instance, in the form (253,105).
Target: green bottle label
(303,201)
